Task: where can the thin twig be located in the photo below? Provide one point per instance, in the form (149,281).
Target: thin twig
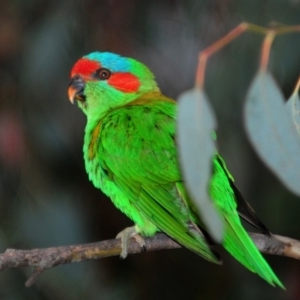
(42,259)
(274,30)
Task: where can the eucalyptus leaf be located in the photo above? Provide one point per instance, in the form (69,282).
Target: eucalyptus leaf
(293,106)
(271,130)
(196,123)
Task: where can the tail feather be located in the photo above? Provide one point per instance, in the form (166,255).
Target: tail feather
(239,244)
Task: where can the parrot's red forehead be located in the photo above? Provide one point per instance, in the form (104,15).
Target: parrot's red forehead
(123,81)
(85,67)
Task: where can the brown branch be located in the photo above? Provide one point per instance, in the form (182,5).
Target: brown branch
(42,259)
(274,30)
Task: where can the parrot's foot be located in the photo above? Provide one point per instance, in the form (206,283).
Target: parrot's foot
(125,236)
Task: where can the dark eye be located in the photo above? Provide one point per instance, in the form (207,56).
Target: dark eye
(102,74)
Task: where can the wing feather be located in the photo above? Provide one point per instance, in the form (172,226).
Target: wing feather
(142,160)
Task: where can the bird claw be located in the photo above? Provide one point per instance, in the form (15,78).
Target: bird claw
(125,236)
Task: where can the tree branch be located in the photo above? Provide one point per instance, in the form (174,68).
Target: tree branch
(42,259)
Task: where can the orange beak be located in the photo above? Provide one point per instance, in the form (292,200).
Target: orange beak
(76,89)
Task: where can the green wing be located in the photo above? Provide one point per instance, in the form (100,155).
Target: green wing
(138,152)
(236,240)
(139,156)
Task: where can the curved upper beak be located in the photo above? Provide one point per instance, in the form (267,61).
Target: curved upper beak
(76,89)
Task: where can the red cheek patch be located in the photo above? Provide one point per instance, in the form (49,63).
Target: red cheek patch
(84,67)
(124,82)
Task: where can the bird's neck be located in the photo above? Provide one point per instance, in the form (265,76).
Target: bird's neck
(101,112)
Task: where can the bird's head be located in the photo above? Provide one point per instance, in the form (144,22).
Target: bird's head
(101,81)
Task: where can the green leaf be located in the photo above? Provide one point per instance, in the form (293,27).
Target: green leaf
(196,123)
(271,130)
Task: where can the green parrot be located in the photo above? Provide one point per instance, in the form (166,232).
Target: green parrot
(130,154)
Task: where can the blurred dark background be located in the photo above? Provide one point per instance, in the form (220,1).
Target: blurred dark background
(45,196)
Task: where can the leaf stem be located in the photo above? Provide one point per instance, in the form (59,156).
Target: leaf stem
(266,48)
